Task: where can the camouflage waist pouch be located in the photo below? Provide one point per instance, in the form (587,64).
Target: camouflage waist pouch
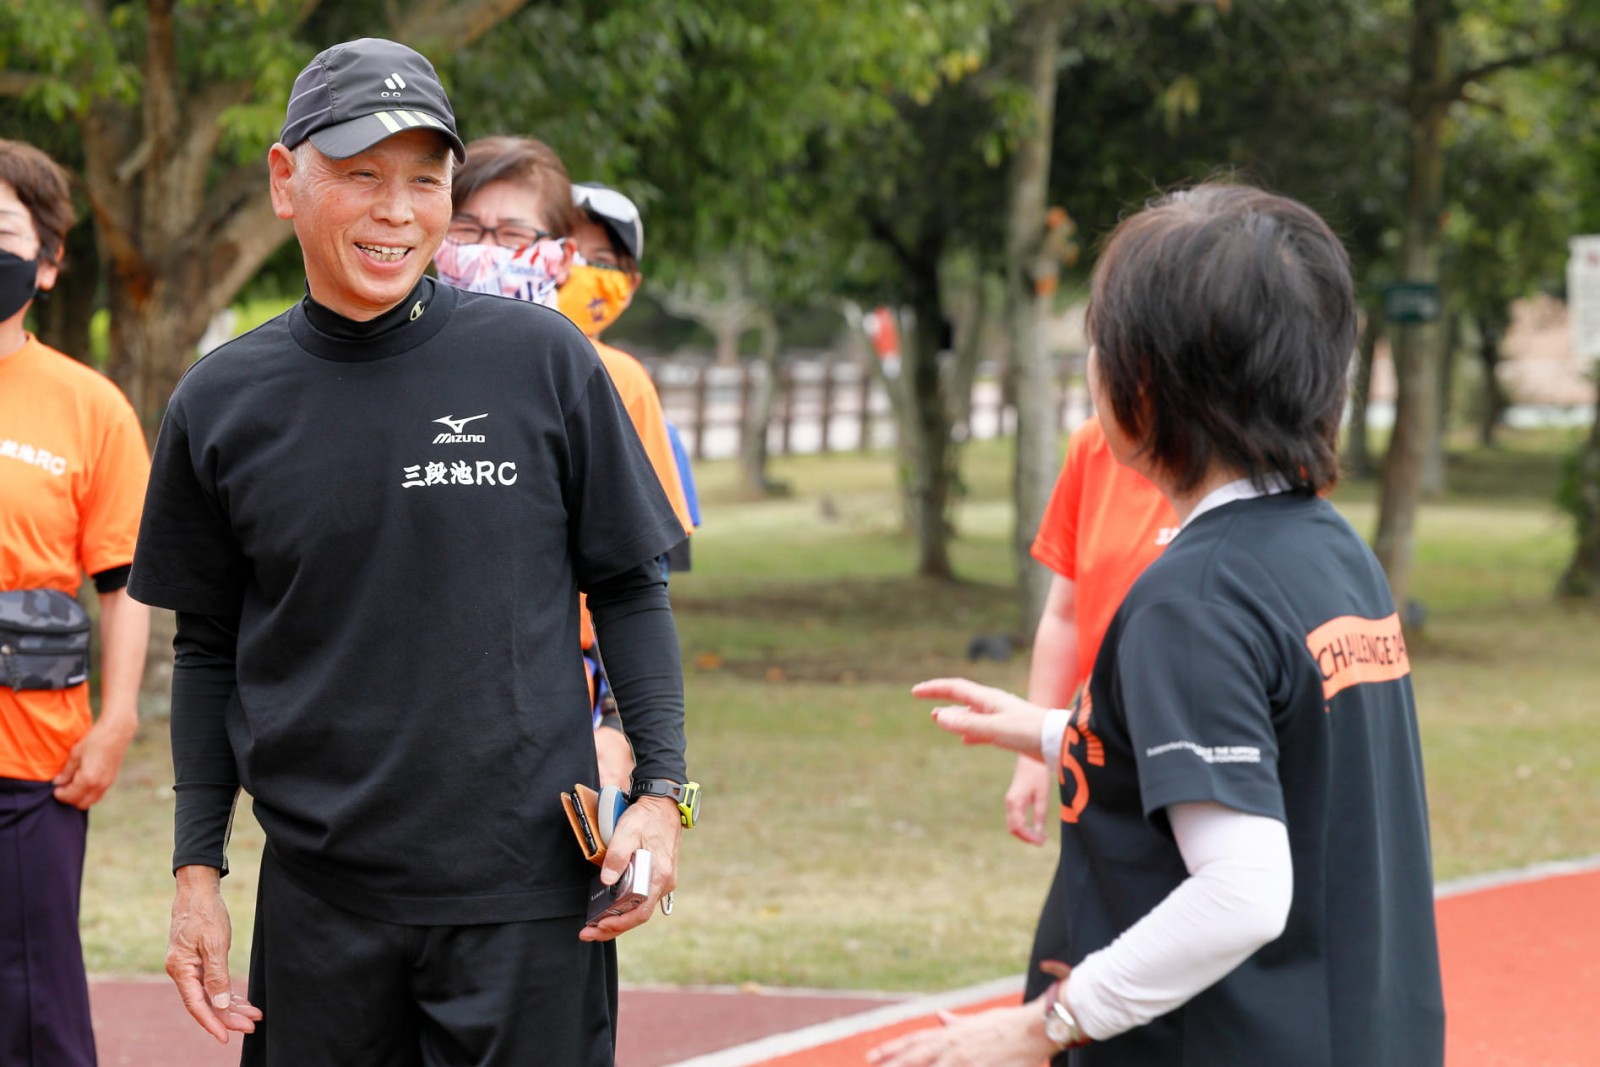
(44,640)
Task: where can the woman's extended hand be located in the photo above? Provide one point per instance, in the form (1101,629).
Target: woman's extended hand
(984,715)
(1001,1037)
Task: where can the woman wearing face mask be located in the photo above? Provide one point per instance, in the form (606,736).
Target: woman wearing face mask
(516,232)
(513,214)
(73,466)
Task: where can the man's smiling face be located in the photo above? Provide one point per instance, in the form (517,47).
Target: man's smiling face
(368,225)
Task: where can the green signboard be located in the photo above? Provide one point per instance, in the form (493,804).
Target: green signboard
(1411,302)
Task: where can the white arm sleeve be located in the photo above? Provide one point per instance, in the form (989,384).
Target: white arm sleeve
(1235,900)
(1051,731)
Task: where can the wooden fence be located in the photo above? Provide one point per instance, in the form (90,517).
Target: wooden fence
(822,405)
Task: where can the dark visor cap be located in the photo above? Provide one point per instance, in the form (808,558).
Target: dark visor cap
(353,95)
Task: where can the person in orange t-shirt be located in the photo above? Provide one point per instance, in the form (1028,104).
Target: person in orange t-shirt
(518,230)
(73,466)
(1104,525)
(605,274)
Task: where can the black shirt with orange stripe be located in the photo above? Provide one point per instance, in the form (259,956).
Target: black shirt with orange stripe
(1259,664)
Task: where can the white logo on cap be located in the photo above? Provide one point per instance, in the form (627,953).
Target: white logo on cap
(395,82)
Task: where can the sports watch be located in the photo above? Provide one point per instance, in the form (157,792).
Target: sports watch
(686,794)
(1059,1024)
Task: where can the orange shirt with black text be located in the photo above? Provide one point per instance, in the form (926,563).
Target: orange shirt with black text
(73,467)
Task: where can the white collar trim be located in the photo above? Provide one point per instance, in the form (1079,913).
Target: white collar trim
(1243,489)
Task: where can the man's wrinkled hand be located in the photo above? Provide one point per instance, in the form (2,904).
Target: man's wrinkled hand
(197,956)
(651,823)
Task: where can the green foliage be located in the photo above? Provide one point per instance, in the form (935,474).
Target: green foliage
(722,118)
(1520,165)
(70,57)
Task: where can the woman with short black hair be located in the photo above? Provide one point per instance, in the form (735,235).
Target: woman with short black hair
(1245,836)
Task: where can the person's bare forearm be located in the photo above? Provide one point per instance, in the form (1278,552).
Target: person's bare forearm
(1054,672)
(124,639)
(93,762)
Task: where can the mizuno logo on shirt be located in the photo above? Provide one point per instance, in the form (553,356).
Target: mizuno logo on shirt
(455,436)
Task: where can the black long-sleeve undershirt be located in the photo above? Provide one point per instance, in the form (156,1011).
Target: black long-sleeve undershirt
(631,611)
(206,778)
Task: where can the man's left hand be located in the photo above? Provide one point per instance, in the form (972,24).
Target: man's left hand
(651,823)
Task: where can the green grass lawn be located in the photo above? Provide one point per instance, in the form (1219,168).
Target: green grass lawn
(846,843)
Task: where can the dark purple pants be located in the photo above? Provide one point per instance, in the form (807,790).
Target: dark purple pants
(44,995)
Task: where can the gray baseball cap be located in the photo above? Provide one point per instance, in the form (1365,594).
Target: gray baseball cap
(613,210)
(353,95)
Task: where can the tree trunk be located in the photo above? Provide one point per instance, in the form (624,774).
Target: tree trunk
(1582,576)
(969,351)
(179,235)
(753,452)
(62,318)
(1416,345)
(153,341)
(1031,278)
(1434,468)
(1491,329)
(897,387)
(1357,442)
(931,452)
(727,336)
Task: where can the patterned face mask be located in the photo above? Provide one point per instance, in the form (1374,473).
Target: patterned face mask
(532,273)
(593,296)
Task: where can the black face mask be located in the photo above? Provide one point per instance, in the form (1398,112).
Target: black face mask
(19,279)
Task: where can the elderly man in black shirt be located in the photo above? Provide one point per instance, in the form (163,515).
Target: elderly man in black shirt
(373,515)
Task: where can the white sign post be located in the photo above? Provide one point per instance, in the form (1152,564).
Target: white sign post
(1583,295)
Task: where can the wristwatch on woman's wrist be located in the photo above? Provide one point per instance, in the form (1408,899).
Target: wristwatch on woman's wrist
(1060,1025)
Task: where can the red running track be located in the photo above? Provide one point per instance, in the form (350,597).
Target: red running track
(1521,959)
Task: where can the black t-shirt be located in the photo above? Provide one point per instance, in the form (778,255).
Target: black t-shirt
(1259,664)
(401,525)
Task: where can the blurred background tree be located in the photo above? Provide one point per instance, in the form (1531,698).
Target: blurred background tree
(796,159)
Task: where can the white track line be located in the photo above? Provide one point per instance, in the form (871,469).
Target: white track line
(1495,879)
(837,1029)
(755,1052)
